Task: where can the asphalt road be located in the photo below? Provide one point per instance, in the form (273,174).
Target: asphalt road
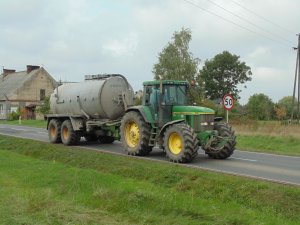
(281,169)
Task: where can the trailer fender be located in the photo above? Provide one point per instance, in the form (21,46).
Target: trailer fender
(77,123)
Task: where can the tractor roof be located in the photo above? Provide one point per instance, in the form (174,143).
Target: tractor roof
(157,82)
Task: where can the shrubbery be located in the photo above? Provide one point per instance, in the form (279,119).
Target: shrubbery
(14,115)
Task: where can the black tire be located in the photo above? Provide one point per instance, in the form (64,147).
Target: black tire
(54,129)
(90,137)
(135,143)
(68,135)
(106,139)
(225,150)
(185,140)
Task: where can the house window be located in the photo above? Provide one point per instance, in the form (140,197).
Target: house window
(1,109)
(42,94)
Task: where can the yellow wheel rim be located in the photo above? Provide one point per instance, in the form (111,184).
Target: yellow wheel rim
(65,133)
(132,134)
(52,131)
(175,143)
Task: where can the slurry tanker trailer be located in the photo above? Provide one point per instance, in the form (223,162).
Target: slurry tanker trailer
(102,109)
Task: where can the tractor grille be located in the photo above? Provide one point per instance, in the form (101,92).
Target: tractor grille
(204,122)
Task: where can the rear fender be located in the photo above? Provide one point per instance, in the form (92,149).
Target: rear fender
(144,111)
(163,129)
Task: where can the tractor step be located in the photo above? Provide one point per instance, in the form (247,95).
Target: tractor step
(153,135)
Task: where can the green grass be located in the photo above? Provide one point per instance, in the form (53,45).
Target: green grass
(53,184)
(269,144)
(30,123)
(268,136)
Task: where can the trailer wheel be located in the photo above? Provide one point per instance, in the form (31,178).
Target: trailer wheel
(106,139)
(224,145)
(135,134)
(180,143)
(68,135)
(54,128)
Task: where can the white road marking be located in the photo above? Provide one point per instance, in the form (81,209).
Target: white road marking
(251,160)
(263,153)
(43,132)
(18,129)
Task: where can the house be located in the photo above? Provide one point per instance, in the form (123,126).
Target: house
(24,90)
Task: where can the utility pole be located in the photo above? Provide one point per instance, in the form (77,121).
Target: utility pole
(297,78)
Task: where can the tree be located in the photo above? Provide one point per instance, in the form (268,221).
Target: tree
(287,103)
(223,73)
(280,112)
(260,107)
(45,107)
(175,62)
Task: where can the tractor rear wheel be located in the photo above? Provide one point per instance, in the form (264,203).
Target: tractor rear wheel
(135,134)
(180,143)
(68,135)
(224,145)
(54,128)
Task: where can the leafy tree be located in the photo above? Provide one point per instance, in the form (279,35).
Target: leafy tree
(223,73)
(45,107)
(260,107)
(176,62)
(287,103)
(280,112)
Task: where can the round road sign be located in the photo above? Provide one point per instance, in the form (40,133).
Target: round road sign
(228,102)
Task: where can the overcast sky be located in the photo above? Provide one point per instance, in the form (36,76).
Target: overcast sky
(72,38)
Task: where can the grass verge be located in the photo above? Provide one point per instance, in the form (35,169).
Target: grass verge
(268,136)
(53,184)
(29,123)
(269,144)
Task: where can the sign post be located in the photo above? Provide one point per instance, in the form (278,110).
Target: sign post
(228,103)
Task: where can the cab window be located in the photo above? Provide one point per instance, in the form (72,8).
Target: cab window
(174,95)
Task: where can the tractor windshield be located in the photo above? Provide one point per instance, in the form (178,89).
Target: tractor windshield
(175,95)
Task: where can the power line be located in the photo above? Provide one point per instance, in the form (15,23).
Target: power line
(250,22)
(240,26)
(263,18)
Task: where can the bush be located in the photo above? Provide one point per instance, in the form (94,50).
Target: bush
(14,115)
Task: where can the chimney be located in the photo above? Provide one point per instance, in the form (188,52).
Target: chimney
(31,67)
(7,71)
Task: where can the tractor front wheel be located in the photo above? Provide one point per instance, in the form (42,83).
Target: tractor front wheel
(222,146)
(180,143)
(135,134)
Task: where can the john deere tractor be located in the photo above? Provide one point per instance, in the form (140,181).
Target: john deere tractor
(165,119)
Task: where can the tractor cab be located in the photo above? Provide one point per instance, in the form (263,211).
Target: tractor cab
(161,96)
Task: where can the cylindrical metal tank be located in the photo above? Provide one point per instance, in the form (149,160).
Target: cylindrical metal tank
(98,99)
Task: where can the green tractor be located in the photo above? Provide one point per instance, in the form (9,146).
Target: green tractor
(165,119)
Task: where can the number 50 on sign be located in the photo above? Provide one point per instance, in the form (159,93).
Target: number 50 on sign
(228,102)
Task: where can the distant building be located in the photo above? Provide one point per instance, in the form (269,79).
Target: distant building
(138,94)
(25,90)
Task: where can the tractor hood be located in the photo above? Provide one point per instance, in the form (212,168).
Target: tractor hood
(191,110)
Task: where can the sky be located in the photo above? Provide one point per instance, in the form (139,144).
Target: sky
(73,38)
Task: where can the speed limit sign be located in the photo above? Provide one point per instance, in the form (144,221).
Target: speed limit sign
(228,102)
